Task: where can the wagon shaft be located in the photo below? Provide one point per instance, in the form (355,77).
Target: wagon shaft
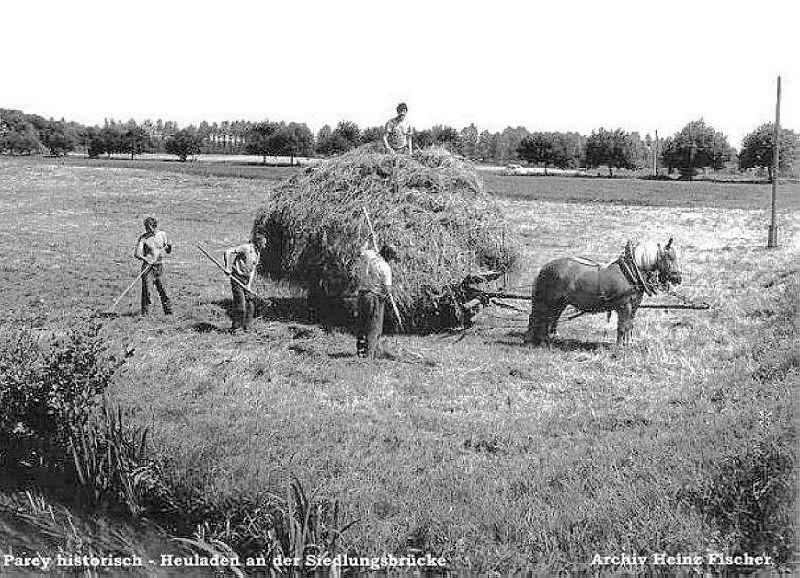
(472,299)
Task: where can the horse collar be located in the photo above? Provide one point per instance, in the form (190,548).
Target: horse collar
(633,274)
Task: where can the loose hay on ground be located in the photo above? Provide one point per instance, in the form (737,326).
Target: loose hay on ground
(432,206)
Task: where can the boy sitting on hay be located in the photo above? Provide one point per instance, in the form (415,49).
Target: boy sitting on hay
(374,278)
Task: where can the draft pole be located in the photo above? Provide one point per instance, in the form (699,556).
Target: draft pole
(772,236)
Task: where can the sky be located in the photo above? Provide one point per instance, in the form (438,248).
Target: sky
(548,66)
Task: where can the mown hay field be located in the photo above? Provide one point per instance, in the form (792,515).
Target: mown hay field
(469,446)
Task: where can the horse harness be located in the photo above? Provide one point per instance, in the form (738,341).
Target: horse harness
(629,268)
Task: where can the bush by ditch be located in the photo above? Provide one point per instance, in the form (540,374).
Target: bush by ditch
(54,415)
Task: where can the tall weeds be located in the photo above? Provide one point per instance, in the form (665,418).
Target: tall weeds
(303,525)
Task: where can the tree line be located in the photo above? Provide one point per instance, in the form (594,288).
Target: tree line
(696,146)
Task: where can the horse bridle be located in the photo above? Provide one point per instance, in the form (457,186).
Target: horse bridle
(661,258)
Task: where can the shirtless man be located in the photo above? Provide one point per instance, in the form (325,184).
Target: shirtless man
(397,132)
(151,249)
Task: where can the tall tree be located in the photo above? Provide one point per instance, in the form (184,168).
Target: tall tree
(93,142)
(482,149)
(293,139)
(260,141)
(324,133)
(333,144)
(371,134)
(17,133)
(757,149)
(324,140)
(302,139)
(696,146)
(108,140)
(445,136)
(350,132)
(613,149)
(493,148)
(508,143)
(155,138)
(545,148)
(423,138)
(468,141)
(58,139)
(344,137)
(576,149)
(183,143)
(135,140)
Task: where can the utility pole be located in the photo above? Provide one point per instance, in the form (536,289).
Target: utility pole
(655,156)
(772,235)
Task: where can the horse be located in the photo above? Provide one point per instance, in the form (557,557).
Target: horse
(591,287)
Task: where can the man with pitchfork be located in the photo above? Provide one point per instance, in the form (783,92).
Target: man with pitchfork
(241,263)
(374,278)
(151,248)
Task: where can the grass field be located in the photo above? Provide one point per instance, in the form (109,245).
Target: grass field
(478,449)
(701,193)
(695,194)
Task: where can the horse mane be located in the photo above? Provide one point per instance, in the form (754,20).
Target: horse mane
(645,254)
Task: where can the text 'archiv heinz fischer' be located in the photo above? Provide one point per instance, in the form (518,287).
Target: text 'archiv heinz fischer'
(664,559)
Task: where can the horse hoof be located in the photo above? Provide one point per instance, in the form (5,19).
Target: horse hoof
(531,341)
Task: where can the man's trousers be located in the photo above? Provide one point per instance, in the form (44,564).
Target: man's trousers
(370,318)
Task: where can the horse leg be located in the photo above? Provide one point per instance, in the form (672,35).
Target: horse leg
(626,314)
(545,305)
(538,323)
(555,314)
(547,320)
(533,335)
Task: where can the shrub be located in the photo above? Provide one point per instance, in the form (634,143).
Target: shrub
(53,414)
(48,390)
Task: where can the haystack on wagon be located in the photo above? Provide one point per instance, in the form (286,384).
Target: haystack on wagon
(431,206)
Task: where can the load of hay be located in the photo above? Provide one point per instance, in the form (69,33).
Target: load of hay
(431,206)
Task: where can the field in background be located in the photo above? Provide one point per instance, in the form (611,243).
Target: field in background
(478,449)
(224,166)
(701,193)
(696,194)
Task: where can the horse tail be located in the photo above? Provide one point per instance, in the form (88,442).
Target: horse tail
(539,320)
